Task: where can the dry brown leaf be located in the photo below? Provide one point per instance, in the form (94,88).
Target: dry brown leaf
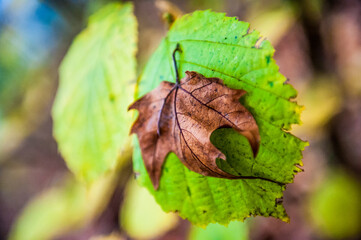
(180,118)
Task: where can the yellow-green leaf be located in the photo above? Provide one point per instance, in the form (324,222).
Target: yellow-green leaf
(64,208)
(97,79)
(141,217)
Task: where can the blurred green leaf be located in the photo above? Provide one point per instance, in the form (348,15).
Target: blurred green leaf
(51,213)
(91,126)
(273,23)
(234,231)
(25,89)
(97,79)
(67,207)
(215,5)
(223,47)
(13,70)
(335,208)
(141,216)
(316,116)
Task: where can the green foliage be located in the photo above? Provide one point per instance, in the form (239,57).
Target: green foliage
(91,125)
(97,76)
(67,206)
(63,208)
(335,208)
(234,231)
(141,217)
(223,47)
(48,214)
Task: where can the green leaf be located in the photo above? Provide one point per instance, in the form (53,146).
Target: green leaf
(141,217)
(59,209)
(64,208)
(97,76)
(334,206)
(223,47)
(234,231)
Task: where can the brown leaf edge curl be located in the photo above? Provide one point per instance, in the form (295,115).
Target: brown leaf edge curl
(180,117)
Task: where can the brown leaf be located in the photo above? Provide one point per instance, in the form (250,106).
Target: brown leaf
(180,118)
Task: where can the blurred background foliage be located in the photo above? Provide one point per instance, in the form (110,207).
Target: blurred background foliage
(318,47)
